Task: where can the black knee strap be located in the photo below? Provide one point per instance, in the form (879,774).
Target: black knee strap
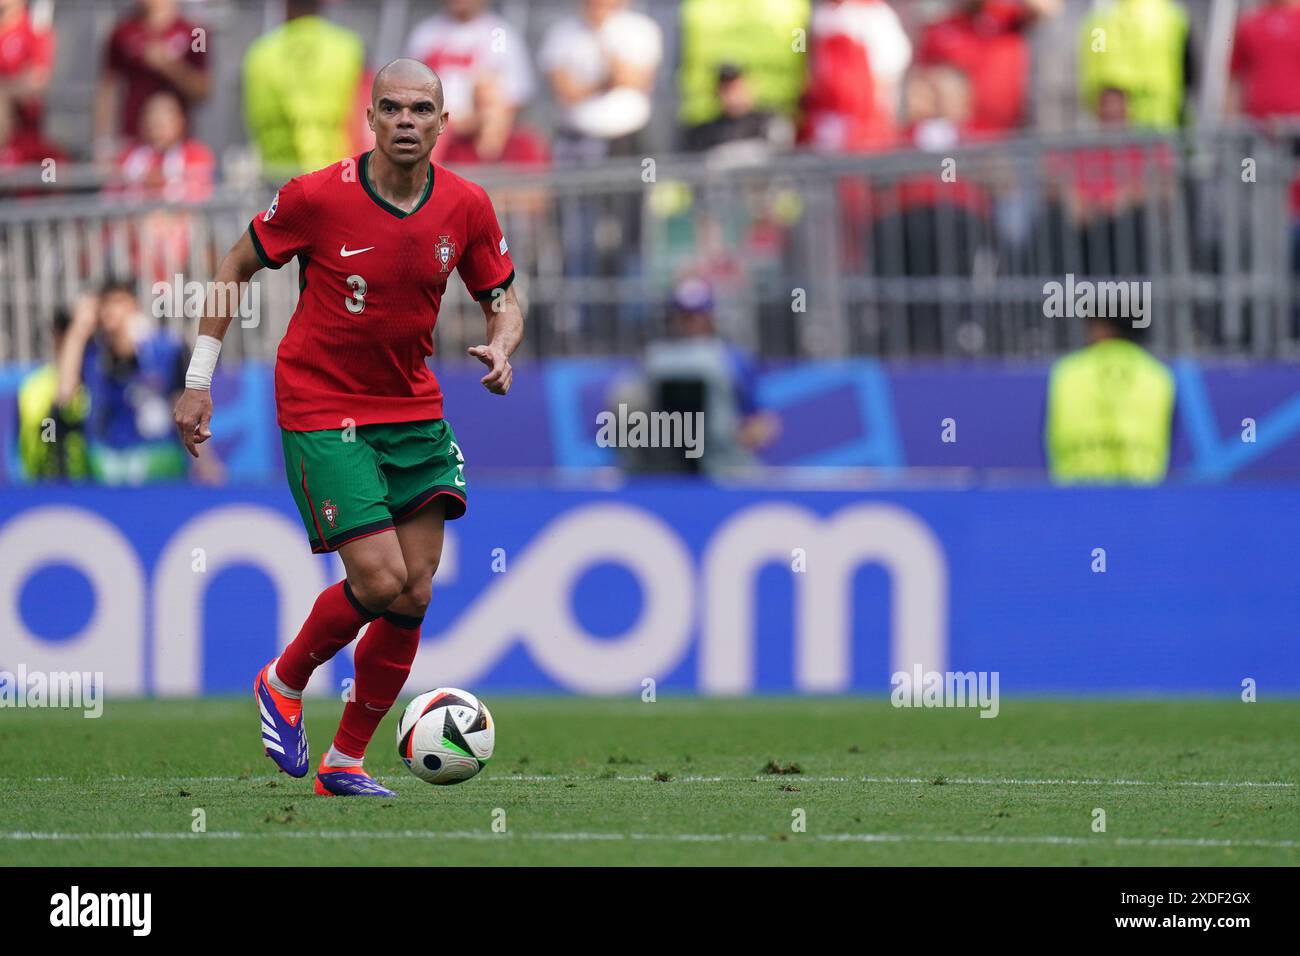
(406,622)
(360,608)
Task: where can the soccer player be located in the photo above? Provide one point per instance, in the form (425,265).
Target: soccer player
(372,464)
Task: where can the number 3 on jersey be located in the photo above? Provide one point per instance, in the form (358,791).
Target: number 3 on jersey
(356,303)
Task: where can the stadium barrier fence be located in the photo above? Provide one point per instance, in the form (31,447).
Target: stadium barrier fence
(948,253)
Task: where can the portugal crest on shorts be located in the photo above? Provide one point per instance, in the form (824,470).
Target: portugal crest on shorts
(329,511)
(445,250)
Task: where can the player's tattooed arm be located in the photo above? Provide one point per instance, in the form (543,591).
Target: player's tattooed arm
(193,411)
(505,329)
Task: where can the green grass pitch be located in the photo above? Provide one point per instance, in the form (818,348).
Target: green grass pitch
(679,781)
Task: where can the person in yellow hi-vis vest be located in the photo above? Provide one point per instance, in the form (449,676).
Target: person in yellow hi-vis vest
(51,439)
(766,39)
(300,89)
(1143,47)
(1110,409)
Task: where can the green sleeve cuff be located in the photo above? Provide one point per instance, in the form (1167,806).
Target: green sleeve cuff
(261,253)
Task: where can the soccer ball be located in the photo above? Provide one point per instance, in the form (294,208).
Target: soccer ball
(445,736)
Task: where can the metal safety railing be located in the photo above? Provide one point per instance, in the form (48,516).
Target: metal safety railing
(945,253)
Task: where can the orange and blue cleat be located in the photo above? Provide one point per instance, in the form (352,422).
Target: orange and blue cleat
(283,734)
(348,782)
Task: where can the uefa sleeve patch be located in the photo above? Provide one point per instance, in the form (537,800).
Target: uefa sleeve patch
(502,245)
(275,204)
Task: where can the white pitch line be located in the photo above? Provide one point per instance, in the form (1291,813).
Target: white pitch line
(970,781)
(580,837)
(1061,782)
(760,778)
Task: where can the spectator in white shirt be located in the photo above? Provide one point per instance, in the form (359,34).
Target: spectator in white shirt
(601,65)
(485,71)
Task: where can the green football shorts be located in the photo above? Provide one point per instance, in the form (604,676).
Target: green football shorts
(349,483)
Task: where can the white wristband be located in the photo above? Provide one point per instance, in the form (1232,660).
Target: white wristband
(203,362)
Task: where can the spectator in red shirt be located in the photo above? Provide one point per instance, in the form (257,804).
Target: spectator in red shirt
(509,141)
(858,52)
(23,147)
(1101,194)
(926,225)
(521,143)
(26,60)
(1266,66)
(163,165)
(985,39)
(153,49)
(1266,60)
(938,103)
(1108,182)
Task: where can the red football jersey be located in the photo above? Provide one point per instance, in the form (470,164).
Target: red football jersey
(372,279)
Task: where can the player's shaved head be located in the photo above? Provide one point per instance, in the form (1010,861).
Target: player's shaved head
(406,114)
(405,71)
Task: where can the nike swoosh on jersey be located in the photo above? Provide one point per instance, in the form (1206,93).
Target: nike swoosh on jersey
(345,251)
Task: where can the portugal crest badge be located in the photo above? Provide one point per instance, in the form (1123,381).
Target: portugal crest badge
(329,511)
(446,251)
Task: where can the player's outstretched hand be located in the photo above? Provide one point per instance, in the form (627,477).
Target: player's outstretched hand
(497,380)
(192,414)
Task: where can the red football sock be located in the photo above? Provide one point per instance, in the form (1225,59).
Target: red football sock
(383,660)
(332,624)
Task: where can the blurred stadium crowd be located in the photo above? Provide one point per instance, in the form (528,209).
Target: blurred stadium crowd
(165,102)
(570,81)
(907,173)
